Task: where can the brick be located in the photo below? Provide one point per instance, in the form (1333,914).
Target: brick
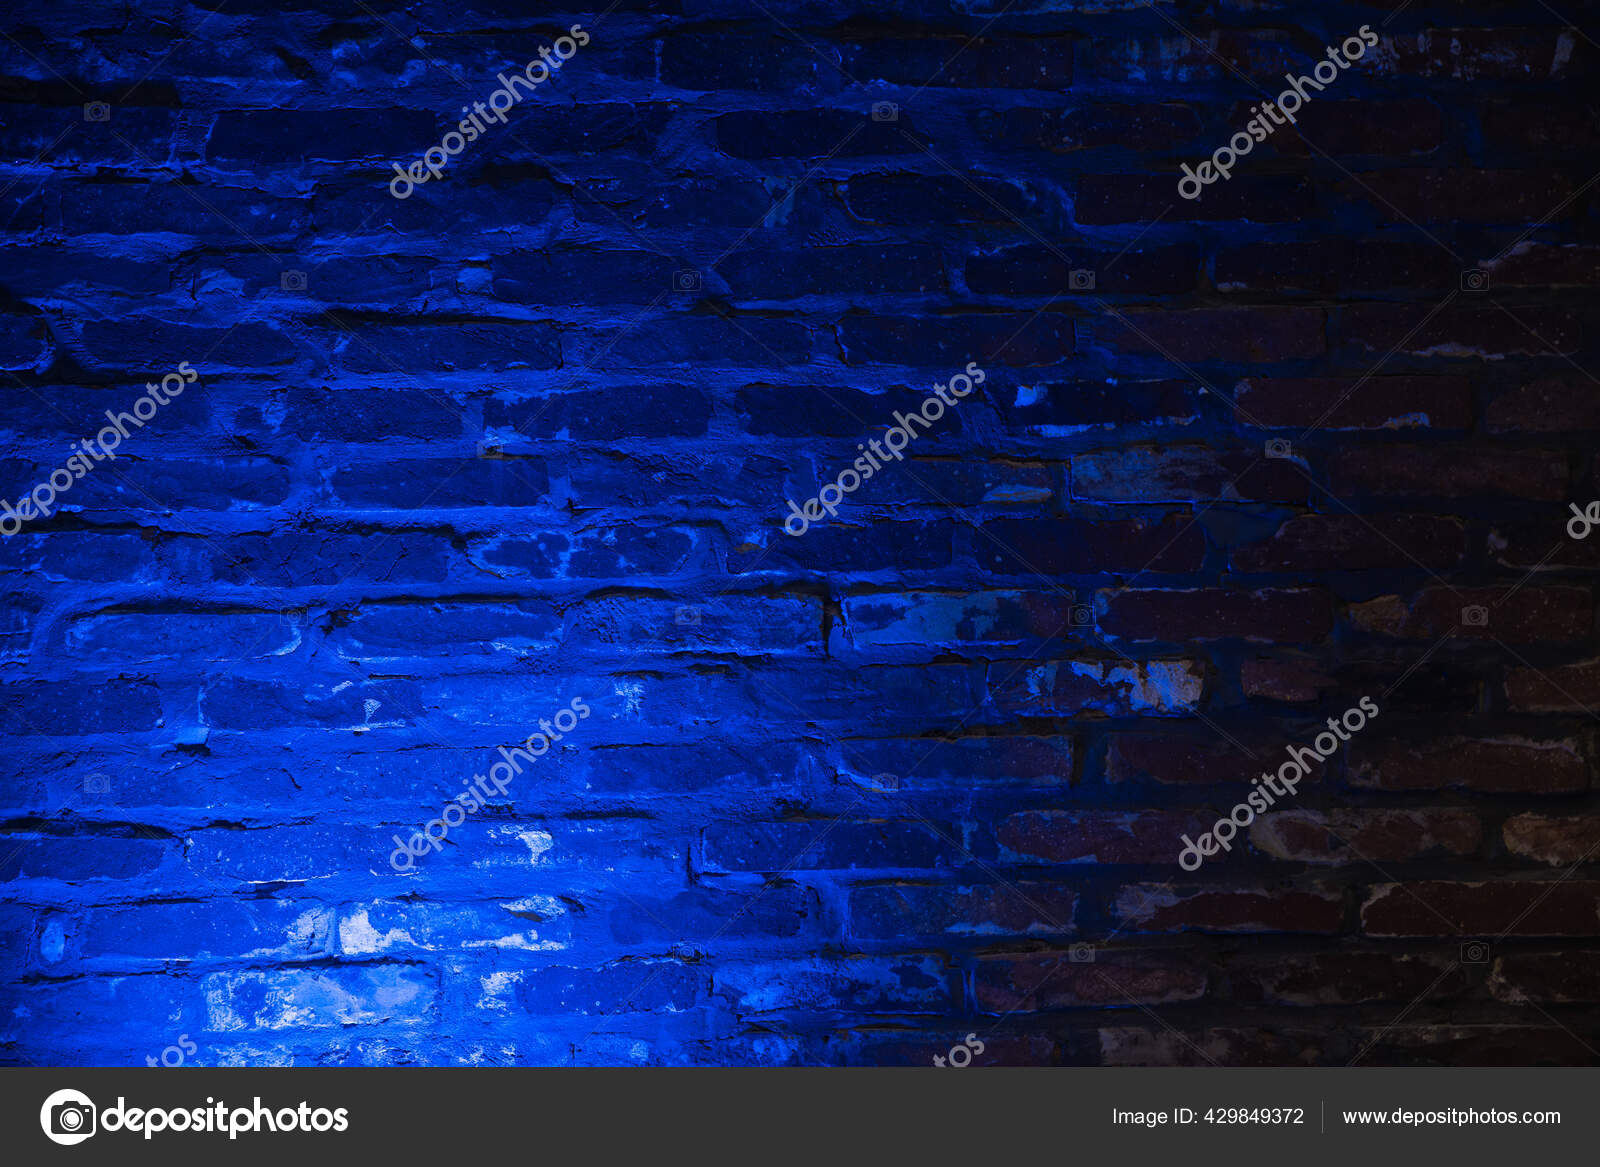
(1028,984)
(1560,403)
(1557,841)
(1358,836)
(814,132)
(1296,681)
(1061,688)
(915,199)
(1565,978)
(1244,335)
(1183,473)
(1241,910)
(1103,200)
(1084,546)
(1149,614)
(1355,543)
(950,342)
(1098,837)
(813,846)
(1413,471)
(1529,615)
(1035,62)
(899,911)
(1345,978)
(1159,125)
(1485,766)
(1034,271)
(1459,331)
(1173,760)
(1331,403)
(1334,266)
(1057,410)
(1482,909)
(1572,688)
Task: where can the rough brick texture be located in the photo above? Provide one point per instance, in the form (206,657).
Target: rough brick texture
(527,435)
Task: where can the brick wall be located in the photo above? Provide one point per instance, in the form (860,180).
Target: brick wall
(452,461)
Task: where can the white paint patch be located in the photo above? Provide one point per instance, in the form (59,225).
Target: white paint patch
(357,935)
(538,843)
(632,694)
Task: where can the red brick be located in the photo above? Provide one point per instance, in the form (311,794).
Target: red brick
(1099,837)
(1113,980)
(1176,760)
(1545,265)
(1437,472)
(1437,403)
(1529,614)
(1356,836)
(1484,909)
(1565,978)
(1345,128)
(1074,546)
(1295,681)
(1528,544)
(1557,404)
(1274,615)
(1461,330)
(1343,978)
(1333,265)
(1213,1046)
(1461,195)
(1159,908)
(1158,126)
(1560,841)
(1107,199)
(1254,335)
(1351,543)
(1573,688)
(1486,766)
(1539,129)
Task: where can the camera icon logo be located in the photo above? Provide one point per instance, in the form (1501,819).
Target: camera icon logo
(292,281)
(1475,952)
(885,111)
(97,784)
(687,280)
(1279,448)
(1081,616)
(68,1117)
(1474,279)
(884,783)
(487,449)
(1081,953)
(96,111)
(1475,616)
(1080,280)
(686,616)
